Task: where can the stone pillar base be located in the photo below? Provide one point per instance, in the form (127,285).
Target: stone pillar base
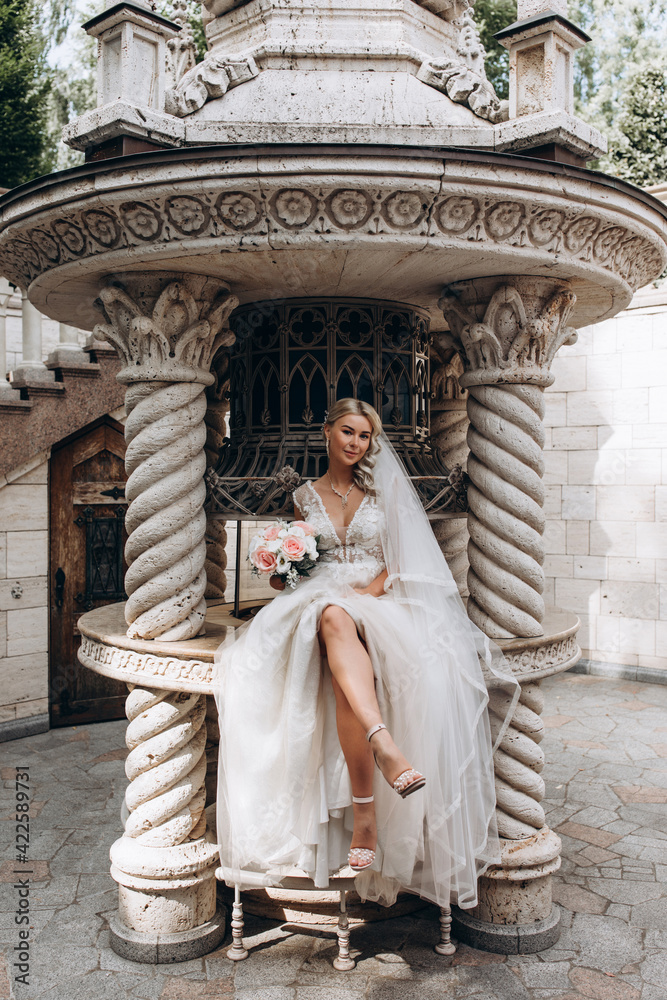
(506,939)
(161,949)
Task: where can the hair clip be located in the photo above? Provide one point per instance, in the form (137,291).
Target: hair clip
(326,416)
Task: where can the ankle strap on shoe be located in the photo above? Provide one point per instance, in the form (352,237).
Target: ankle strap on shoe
(374,730)
(369,798)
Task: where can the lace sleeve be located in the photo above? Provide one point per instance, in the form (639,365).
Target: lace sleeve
(300,498)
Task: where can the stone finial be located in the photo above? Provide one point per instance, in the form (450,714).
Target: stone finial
(541,45)
(131,54)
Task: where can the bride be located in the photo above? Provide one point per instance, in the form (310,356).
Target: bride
(353,723)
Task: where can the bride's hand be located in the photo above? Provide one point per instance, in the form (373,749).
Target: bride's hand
(276,582)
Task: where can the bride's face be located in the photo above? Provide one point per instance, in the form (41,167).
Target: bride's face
(349,438)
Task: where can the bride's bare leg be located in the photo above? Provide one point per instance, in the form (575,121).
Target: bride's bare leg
(360,764)
(351,668)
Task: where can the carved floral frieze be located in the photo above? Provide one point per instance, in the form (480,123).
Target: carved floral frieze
(540,661)
(228,210)
(132,666)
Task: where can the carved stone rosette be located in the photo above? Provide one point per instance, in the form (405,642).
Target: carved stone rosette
(166,329)
(507,331)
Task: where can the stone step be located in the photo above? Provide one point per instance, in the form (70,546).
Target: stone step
(30,388)
(85,369)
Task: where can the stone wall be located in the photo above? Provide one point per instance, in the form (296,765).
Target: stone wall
(606,476)
(24,548)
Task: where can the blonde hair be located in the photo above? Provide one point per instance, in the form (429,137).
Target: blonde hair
(362,472)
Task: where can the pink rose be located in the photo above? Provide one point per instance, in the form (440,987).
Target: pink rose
(305,527)
(263,560)
(293,547)
(272,532)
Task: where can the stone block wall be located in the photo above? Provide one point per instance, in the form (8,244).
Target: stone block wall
(24,558)
(606,484)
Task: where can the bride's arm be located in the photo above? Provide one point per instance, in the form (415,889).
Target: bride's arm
(376,587)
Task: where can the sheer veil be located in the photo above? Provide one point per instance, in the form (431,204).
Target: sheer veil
(445,691)
(420,577)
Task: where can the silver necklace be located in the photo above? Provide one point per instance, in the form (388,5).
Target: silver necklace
(343,497)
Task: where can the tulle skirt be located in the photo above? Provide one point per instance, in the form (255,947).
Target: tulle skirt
(284,796)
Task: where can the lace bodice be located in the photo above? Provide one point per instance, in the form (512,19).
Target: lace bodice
(359,550)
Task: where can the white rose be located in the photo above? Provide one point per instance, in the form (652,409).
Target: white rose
(311,547)
(274,545)
(298,532)
(282,563)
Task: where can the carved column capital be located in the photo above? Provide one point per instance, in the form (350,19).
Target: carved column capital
(166,327)
(507,329)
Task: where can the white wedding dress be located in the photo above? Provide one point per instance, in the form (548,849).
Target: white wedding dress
(284,795)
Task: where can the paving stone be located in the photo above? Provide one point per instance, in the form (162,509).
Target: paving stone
(600,987)
(149,988)
(183,988)
(653,992)
(578,900)
(606,943)
(267,993)
(624,891)
(650,915)
(545,974)
(589,834)
(594,816)
(95,984)
(324,993)
(619,910)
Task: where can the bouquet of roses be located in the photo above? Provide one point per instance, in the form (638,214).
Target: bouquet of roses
(284,549)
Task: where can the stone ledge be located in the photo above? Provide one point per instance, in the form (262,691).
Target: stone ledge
(16,729)
(119,119)
(622,671)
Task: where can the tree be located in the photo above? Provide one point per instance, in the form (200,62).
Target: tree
(24,89)
(638,152)
(620,81)
(492,16)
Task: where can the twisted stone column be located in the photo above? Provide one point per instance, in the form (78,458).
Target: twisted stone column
(507,330)
(518,762)
(449,426)
(166,329)
(164,804)
(163,863)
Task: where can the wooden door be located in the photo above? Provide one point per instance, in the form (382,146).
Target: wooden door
(87,537)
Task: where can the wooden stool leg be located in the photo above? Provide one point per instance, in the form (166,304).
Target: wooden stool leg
(445,946)
(343,962)
(237,952)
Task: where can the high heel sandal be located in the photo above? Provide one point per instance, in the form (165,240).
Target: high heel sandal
(408,781)
(363,853)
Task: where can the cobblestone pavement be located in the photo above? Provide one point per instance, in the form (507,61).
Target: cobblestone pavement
(606,750)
